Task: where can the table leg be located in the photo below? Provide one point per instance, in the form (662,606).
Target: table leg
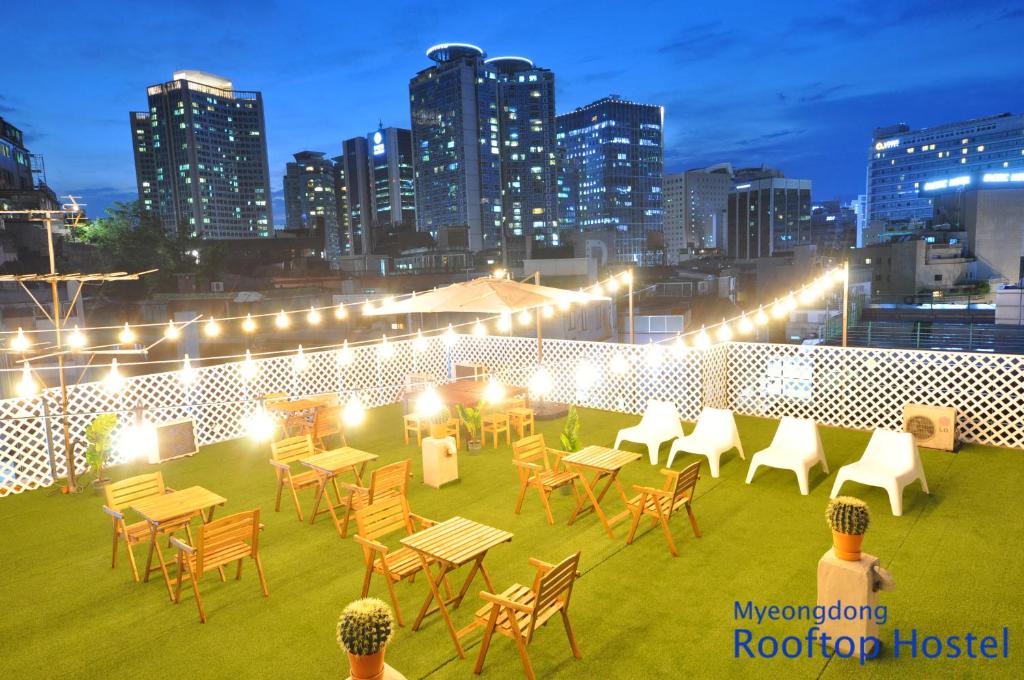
(436,594)
(320,491)
(595,501)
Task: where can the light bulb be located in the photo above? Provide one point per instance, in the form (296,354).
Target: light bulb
(479,330)
(619,365)
(211,328)
(564,304)
(505,322)
(429,403)
(314,317)
(627,276)
(127,335)
(281,320)
(586,375)
(419,343)
(188,374)
(368,307)
(344,354)
(248,369)
(172,332)
(839,274)
(77,339)
(547,312)
(493,393)
(20,342)
(300,361)
(760,318)
(450,338)
(249,326)
(499,273)
(540,382)
(27,386)
(385,350)
(260,426)
(597,290)
(744,326)
(679,346)
(779,310)
(789,303)
(807,296)
(353,413)
(654,356)
(340,312)
(724,333)
(114,381)
(525,317)
(703,340)
(612,285)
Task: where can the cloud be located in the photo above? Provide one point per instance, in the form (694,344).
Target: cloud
(702,41)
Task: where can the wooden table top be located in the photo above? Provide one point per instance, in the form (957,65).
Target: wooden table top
(456,541)
(336,460)
(601,458)
(295,405)
(160,509)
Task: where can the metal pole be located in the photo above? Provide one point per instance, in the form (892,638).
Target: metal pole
(69,455)
(846,299)
(631,340)
(539,313)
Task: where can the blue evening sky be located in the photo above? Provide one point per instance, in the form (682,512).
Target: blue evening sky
(798,85)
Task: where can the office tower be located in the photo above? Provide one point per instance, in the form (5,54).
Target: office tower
(357,222)
(695,209)
(341,203)
(767,214)
(529,165)
(310,201)
(392,194)
(903,163)
(15,159)
(454,110)
(833,227)
(612,150)
(201,158)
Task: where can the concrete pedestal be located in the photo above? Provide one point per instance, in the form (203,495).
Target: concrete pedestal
(850,585)
(440,461)
(389,674)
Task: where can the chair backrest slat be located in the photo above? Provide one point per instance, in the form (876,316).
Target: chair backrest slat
(554,585)
(393,478)
(384,517)
(290,449)
(530,448)
(686,484)
(327,420)
(125,492)
(240,528)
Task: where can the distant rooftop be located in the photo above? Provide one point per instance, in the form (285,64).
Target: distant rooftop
(203,78)
(451,51)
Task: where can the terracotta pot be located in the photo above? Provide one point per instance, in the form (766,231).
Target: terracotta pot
(847,546)
(438,430)
(369,667)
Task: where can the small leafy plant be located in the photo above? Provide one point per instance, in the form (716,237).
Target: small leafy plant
(471,418)
(365,626)
(570,435)
(98,434)
(848,515)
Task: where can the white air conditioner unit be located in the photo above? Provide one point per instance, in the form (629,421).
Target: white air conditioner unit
(933,427)
(216,286)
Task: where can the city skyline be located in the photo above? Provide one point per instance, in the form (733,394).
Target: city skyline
(807,107)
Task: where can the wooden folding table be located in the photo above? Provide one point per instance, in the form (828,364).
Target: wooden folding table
(296,411)
(175,507)
(328,465)
(453,544)
(606,464)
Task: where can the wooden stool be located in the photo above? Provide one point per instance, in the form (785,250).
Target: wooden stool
(520,418)
(496,423)
(414,423)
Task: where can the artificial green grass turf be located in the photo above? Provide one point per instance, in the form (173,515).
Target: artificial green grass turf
(637,612)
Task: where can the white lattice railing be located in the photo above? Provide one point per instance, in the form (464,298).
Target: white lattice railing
(859,388)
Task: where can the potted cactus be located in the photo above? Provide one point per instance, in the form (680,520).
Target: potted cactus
(439,423)
(849,519)
(472,419)
(364,630)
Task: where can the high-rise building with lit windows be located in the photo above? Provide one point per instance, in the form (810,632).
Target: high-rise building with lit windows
(768,214)
(456,151)
(695,204)
(612,150)
(392,190)
(201,158)
(529,165)
(905,164)
(310,202)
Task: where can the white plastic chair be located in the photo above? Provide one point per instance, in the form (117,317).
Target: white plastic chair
(891,461)
(659,424)
(796,446)
(714,434)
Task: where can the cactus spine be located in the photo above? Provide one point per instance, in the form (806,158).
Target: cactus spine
(365,626)
(848,515)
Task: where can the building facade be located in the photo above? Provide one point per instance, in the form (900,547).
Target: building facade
(456,151)
(696,204)
(767,216)
(357,221)
(201,158)
(833,227)
(529,165)
(310,201)
(613,155)
(393,194)
(15,159)
(903,163)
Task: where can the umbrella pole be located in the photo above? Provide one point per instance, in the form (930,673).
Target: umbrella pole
(540,338)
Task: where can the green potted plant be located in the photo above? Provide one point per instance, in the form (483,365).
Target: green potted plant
(849,519)
(472,419)
(439,423)
(570,439)
(365,628)
(100,445)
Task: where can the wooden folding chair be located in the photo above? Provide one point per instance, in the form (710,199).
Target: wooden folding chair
(386,481)
(454,429)
(521,418)
(120,496)
(416,424)
(221,542)
(659,504)
(284,453)
(383,518)
(326,422)
(531,458)
(518,611)
(496,422)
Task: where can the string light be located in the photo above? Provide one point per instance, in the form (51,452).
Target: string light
(353,414)
(281,320)
(340,312)
(137,441)
(429,403)
(20,342)
(300,361)
(385,350)
(807,295)
(248,369)
(619,364)
(76,340)
(187,374)
(654,356)
(368,308)
(744,326)
(479,330)
(172,332)
(388,301)
(525,317)
(249,326)
(505,322)
(779,310)
(420,343)
(597,290)
(613,284)
(313,317)
(450,338)
(679,346)
(127,335)
(541,383)
(547,312)
(702,341)
(114,381)
(499,273)
(493,392)
(27,386)
(344,354)
(839,274)
(211,328)
(724,332)
(627,277)
(260,425)
(564,304)
(760,318)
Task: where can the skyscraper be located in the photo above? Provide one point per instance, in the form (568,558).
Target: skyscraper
(310,201)
(201,157)
(393,194)
(456,154)
(767,214)
(357,222)
(695,208)
(612,150)
(905,163)
(529,165)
